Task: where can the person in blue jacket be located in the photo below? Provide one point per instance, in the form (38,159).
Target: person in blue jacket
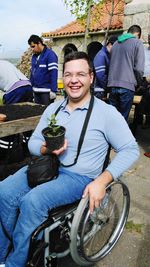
(44,71)
(101,67)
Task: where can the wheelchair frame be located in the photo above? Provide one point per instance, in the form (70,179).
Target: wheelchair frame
(87,237)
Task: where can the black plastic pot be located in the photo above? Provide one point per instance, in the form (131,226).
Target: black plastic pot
(54,142)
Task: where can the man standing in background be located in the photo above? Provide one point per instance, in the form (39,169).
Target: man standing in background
(101,68)
(126,69)
(44,71)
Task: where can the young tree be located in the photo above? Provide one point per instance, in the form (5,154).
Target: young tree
(82,9)
(113,10)
(90,11)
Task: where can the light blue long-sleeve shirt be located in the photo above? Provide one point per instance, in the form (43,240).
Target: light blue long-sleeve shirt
(106,126)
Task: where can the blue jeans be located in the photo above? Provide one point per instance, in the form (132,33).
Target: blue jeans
(122,99)
(22,209)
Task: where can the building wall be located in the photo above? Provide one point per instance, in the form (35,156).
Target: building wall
(59,44)
(138,12)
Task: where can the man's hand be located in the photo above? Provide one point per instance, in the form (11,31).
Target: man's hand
(97,189)
(44,149)
(62,149)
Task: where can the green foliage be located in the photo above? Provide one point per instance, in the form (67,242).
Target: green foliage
(52,121)
(1,101)
(53,128)
(80,8)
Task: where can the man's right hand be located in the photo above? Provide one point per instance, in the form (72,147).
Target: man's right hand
(44,149)
(62,149)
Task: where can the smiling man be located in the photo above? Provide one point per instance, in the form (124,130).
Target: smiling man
(76,179)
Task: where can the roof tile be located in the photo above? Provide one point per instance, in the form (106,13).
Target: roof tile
(99,20)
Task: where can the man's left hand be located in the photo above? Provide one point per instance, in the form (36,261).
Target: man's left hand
(97,189)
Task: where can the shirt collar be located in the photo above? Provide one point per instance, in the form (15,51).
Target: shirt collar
(65,102)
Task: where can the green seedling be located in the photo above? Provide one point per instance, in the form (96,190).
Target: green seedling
(53,127)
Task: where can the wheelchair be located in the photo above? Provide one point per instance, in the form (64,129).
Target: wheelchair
(71,229)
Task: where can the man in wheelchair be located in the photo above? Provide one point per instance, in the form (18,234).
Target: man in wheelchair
(23,209)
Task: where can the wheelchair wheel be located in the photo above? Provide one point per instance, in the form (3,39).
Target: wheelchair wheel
(94,235)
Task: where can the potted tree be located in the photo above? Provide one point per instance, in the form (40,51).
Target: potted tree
(54,134)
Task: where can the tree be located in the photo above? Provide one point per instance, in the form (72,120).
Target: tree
(83,10)
(113,10)
(80,8)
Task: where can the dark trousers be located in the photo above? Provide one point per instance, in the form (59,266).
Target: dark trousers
(122,99)
(43,98)
(20,94)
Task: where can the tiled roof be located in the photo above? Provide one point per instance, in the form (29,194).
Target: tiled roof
(99,20)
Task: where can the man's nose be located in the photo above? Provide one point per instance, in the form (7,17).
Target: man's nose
(74,78)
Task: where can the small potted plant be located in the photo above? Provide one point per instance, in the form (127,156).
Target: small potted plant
(54,134)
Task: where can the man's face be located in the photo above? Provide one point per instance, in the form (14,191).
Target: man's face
(77,79)
(36,48)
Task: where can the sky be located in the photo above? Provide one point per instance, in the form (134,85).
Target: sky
(21,18)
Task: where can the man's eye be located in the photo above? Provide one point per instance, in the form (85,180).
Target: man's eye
(67,75)
(81,74)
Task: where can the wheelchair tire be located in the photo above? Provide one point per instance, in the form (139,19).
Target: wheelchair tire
(94,235)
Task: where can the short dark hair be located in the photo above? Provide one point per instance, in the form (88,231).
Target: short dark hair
(112,39)
(135,28)
(78,55)
(35,39)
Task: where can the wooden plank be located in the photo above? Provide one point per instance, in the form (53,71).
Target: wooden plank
(18,126)
(137,99)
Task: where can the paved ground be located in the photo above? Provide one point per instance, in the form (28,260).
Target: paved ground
(133,248)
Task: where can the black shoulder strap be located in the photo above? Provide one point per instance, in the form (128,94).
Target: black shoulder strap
(58,109)
(107,158)
(82,132)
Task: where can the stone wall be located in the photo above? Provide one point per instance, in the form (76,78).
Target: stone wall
(138,12)
(60,43)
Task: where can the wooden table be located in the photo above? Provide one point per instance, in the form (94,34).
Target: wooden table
(27,124)
(19,126)
(137,99)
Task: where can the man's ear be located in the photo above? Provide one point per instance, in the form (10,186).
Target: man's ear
(92,77)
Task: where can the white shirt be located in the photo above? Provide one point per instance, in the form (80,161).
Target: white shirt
(9,75)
